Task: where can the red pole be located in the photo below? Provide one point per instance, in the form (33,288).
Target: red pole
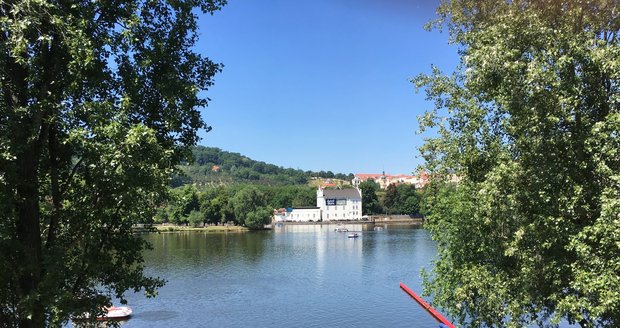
(426,306)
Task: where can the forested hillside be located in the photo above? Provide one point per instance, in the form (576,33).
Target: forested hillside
(213,166)
(224,187)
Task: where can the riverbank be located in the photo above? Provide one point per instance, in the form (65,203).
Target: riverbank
(174,228)
(377,221)
(166,228)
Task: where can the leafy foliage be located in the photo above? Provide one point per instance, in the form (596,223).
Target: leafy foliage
(98,101)
(370,202)
(530,122)
(402,199)
(232,204)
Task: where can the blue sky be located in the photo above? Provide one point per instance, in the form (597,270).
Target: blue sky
(324,84)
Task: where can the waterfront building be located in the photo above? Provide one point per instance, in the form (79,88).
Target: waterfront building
(332,205)
(297,214)
(339,204)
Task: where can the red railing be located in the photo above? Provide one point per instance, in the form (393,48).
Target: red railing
(426,306)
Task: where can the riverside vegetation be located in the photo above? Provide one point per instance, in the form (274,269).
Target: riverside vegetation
(98,101)
(530,121)
(206,196)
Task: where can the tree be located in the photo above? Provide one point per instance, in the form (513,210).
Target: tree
(98,101)
(258,218)
(184,200)
(247,201)
(391,197)
(304,197)
(196,218)
(214,204)
(529,122)
(408,200)
(370,201)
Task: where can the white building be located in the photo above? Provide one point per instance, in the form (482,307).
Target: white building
(339,204)
(305,214)
(300,214)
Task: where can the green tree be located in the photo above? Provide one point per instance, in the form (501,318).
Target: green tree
(282,197)
(246,201)
(161,216)
(196,218)
(214,204)
(185,200)
(258,218)
(408,200)
(529,122)
(98,100)
(304,197)
(390,201)
(370,201)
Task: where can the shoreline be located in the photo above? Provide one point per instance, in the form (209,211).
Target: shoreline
(211,229)
(238,229)
(380,222)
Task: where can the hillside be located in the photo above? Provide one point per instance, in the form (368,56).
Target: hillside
(213,166)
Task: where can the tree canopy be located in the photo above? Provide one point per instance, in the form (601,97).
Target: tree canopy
(98,101)
(213,166)
(402,199)
(529,122)
(370,201)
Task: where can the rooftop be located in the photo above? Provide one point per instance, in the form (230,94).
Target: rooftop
(341,193)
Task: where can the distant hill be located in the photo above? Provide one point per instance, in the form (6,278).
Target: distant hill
(213,166)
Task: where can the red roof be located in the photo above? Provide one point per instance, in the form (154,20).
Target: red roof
(364,176)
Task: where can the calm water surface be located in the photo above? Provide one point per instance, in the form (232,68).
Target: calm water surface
(294,276)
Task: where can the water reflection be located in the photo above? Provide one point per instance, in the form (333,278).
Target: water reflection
(295,275)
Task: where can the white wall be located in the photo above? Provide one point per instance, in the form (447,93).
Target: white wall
(303,215)
(352,210)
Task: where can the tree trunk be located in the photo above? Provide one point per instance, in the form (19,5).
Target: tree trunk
(29,239)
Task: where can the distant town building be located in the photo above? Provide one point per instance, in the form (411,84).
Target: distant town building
(384,180)
(328,183)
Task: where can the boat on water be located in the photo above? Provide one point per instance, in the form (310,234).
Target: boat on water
(109,313)
(116,313)
(340,228)
(353,235)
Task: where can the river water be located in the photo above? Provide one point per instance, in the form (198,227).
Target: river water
(293,276)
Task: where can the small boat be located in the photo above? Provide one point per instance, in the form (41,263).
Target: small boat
(353,235)
(109,313)
(340,228)
(116,313)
